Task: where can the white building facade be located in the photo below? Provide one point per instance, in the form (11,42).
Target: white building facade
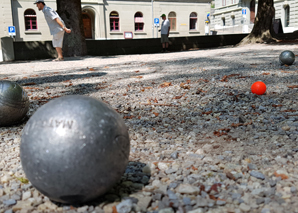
(109,19)
(237,16)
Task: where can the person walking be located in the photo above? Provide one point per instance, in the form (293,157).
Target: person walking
(165,30)
(56,25)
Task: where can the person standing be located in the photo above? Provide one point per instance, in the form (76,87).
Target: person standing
(165,31)
(56,25)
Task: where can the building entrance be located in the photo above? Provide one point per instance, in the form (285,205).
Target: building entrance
(87,25)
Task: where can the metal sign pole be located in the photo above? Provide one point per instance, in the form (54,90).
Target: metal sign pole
(156,24)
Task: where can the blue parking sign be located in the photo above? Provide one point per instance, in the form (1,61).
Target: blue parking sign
(243,11)
(12,30)
(156,22)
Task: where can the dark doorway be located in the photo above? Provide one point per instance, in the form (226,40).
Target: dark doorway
(252,11)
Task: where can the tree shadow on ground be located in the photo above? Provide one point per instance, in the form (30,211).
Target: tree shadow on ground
(58,78)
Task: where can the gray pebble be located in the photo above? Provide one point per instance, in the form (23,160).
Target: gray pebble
(9,202)
(258,175)
(293,189)
(186,200)
(220,202)
(125,206)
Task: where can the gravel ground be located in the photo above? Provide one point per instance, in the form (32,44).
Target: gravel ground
(200,140)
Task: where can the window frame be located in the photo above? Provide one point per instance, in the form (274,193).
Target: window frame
(171,19)
(32,18)
(139,26)
(287,16)
(191,19)
(114,20)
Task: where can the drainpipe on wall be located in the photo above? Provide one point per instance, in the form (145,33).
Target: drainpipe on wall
(152,19)
(11,1)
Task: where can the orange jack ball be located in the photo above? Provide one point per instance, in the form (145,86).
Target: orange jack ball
(258,88)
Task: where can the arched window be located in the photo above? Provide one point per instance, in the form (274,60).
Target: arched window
(193,21)
(114,21)
(30,20)
(172,19)
(287,16)
(139,22)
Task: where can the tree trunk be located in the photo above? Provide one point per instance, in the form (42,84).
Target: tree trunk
(262,30)
(70,11)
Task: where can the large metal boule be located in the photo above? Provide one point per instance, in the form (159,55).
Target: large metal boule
(287,57)
(14,103)
(74,149)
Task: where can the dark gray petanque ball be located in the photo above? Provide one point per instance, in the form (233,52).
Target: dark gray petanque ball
(74,149)
(287,57)
(14,103)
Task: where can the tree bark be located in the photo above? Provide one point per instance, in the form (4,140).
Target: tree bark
(70,11)
(262,31)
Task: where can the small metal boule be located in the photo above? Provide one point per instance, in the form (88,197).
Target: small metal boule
(14,103)
(74,149)
(287,57)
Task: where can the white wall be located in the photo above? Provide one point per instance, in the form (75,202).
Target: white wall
(5,17)
(1,56)
(227,10)
(126,9)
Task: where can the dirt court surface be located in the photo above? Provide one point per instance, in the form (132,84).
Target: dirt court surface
(200,140)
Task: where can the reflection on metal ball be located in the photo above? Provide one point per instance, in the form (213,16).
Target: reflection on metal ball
(74,149)
(14,103)
(287,57)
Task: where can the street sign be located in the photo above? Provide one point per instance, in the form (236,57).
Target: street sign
(128,35)
(156,22)
(12,30)
(243,11)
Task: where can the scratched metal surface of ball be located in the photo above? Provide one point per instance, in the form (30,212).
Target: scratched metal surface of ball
(74,149)
(14,103)
(287,57)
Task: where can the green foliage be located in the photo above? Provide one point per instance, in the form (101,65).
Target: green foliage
(210,174)
(23,180)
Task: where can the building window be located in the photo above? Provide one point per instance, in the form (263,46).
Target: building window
(172,19)
(233,21)
(223,22)
(223,2)
(114,21)
(193,21)
(287,16)
(30,20)
(139,22)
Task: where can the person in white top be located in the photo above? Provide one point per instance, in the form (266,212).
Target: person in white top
(165,30)
(56,25)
